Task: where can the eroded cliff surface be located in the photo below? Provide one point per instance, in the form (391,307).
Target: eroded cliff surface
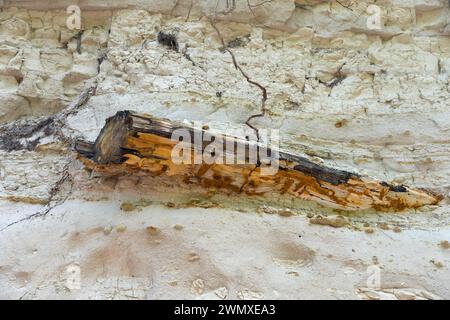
(372,101)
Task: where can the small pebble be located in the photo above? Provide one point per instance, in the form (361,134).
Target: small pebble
(285,213)
(153,230)
(445,244)
(121,228)
(438,264)
(383,226)
(173,283)
(193,257)
(178,227)
(127,207)
(107,230)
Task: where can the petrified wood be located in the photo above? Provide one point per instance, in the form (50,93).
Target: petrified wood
(132,142)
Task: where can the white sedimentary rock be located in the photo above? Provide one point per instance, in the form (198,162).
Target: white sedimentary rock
(375,101)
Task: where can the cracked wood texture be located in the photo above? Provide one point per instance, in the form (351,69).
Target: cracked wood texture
(131,142)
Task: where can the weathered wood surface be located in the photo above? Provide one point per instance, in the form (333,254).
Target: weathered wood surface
(136,142)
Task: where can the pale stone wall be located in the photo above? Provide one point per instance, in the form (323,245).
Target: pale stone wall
(371,101)
(41,70)
(375,101)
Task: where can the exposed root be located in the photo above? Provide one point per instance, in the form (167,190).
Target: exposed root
(249,80)
(26,135)
(339,77)
(189,11)
(230,7)
(346,6)
(189,58)
(76,37)
(247,180)
(52,203)
(251,7)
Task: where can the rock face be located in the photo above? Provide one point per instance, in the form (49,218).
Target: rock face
(42,68)
(346,94)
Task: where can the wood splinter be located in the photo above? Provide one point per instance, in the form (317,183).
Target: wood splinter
(131,142)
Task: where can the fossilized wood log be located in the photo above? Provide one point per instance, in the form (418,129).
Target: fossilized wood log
(137,142)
